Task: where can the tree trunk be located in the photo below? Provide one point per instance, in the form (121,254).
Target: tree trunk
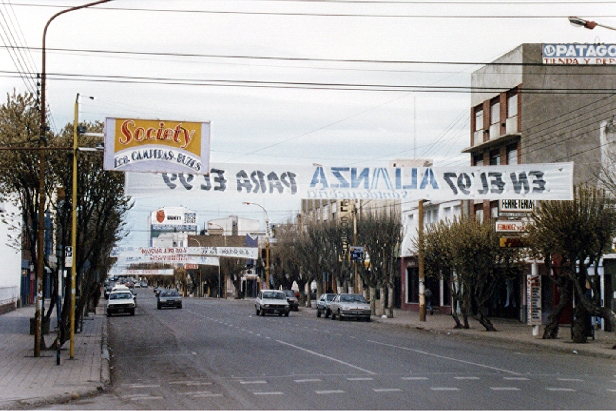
(484,320)
(551,329)
(390,301)
(373,300)
(580,325)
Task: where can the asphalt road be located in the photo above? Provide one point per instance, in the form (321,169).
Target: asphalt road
(217,354)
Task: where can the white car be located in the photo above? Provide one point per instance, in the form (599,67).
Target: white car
(272,302)
(349,306)
(121,301)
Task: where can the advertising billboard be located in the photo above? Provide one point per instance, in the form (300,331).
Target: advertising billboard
(158,146)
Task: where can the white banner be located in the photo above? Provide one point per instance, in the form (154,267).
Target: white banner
(169,259)
(135,254)
(548,181)
(136,272)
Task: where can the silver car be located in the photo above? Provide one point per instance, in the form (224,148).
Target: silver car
(349,306)
(323,304)
(272,302)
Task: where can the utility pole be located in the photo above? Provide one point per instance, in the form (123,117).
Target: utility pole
(420,258)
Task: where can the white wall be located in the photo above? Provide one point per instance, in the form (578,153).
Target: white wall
(10,254)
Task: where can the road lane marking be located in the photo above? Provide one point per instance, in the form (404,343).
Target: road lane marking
(444,389)
(466,378)
(360,379)
(516,378)
(570,379)
(143,386)
(206,395)
(504,388)
(309,380)
(268,393)
(387,390)
(326,357)
(415,378)
(253,382)
(560,389)
(327,392)
(145,398)
(446,358)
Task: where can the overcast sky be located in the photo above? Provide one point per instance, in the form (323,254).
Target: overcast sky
(283,82)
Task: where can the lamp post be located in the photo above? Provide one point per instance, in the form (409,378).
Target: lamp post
(587,24)
(40,258)
(225,240)
(267,245)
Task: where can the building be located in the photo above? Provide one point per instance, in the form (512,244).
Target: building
(12,277)
(533,106)
(170,226)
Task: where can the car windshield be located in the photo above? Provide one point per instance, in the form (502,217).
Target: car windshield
(275,296)
(352,298)
(169,293)
(120,296)
(330,297)
(289,293)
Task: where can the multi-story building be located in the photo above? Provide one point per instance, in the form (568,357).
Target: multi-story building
(532,106)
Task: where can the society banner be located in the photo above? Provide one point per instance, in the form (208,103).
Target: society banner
(547,181)
(162,146)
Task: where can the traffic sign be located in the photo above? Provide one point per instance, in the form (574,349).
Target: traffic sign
(68,256)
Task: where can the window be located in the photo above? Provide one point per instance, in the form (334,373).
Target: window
(495,113)
(478,159)
(512,105)
(512,154)
(478,119)
(494,158)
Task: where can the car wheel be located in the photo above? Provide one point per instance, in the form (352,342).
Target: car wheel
(332,316)
(339,316)
(132,312)
(286,314)
(257,310)
(327,313)
(318,313)
(108,314)
(158,306)
(180,306)
(262,313)
(368,319)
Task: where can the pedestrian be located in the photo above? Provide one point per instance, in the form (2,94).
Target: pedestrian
(428,297)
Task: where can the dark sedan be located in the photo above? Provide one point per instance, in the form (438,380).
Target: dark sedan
(169,298)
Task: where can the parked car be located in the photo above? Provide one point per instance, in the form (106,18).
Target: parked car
(121,302)
(272,302)
(349,306)
(292,300)
(169,298)
(323,304)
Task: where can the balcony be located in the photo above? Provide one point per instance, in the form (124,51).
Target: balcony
(495,131)
(511,125)
(477,137)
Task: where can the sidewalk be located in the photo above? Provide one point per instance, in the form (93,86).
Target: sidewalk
(27,381)
(508,331)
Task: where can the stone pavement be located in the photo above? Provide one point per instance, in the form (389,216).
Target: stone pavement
(26,381)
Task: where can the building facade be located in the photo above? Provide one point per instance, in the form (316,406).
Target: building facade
(526,108)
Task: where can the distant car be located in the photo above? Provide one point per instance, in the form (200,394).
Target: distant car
(169,298)
(121,302)
(292,300)
(272,302)
(349,306)
(323,304)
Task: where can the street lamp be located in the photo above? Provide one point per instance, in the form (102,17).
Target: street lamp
(41,203)
(587,24)
(225,240)
(267,245)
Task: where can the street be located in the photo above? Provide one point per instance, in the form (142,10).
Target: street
(217,354)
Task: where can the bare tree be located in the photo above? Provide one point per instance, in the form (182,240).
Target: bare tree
(572,236)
